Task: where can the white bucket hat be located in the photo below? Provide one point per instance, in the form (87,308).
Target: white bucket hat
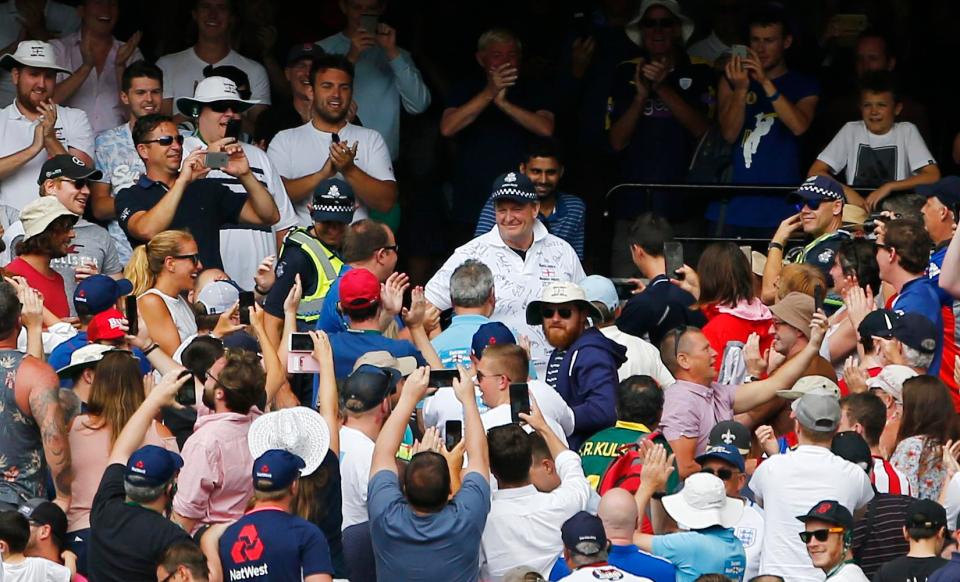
(299,430)
(891,379)
(702,503)
(211,90)
(561,292)
(635,31)
(38,214)
(33,53)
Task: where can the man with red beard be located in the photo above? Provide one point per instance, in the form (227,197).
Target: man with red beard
(33,128)
(583,365)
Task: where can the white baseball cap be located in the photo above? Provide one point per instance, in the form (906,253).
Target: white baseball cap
(33,53)
(218,296)
(211,90)
(891,379)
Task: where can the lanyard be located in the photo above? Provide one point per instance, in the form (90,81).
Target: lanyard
(815,242)
(836,569)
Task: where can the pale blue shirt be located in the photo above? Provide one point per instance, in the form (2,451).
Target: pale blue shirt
(117,157)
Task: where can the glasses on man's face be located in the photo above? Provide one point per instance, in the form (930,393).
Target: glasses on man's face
(78,184)
(394,248)
(820,535)
(661,23)
(481,376)
(223,106)
(881,246)
(195,258)
(723,474)
(166,140)
(811,204)
(563,312)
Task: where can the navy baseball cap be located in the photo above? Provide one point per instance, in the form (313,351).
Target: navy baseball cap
(99,293)
(275,470)
(306,50)
(151,466)
(914,330)
(490,334)
(820,188)
(829,511)
(514,186)
(584,534)
(367,387)
(333,200)
(731,432)
(878,323)
(946,190)
(726,453)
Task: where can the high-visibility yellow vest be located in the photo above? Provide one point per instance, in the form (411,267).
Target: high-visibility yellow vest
(326,264)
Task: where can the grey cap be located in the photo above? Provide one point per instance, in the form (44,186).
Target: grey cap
(817,412)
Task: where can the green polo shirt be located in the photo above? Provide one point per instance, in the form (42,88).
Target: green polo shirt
(600,450)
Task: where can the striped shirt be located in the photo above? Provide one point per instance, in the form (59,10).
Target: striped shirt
(887,479)
(878,535)
(566,222)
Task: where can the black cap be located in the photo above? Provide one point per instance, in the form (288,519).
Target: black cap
(514,186)
(43,512)
(878,323)
(927,514)
(851,446)
(730,432)
(946,190)
(829,511)
(367,387)
(67,166)
(915,331)
(306,50)
(333,201)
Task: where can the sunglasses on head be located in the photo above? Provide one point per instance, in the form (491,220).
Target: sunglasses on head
(166,140)
(723,474)
(820,535)
(223,106)
(658,22)
(563,312)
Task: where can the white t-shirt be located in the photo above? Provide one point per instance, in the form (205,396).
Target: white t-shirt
(517,281)
(245,246)
(642,358)
(876,159)
(356,456)
(789,485)
(605,572)
(16,133)
(749,530)
(35,570)
(303,150)
(183,70)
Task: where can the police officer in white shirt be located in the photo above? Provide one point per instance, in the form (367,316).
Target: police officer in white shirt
(523,256)
(33,128)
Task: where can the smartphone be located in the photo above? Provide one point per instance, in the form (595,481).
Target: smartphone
(454,433)
(187,394)
(443,378)
(673,256)
(130,310)
(302,363)
(233,129)
(819,295)
(624,287)
(370,22)
(335,137)
(246,302)
(300,342)
(582,24)
(739,50)
(216,160)
(519,401)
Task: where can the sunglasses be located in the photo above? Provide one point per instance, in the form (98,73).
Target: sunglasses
(811,204)
(166,140)
(394,248)
(821,535)
(194,257)
(224,106)
(677,336)
(658,22)
(723,474)
(563,312)
(78,183)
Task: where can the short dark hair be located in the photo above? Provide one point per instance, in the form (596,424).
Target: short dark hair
(9,309)
(912,243)
(43,243)
(922,533)
(868,410)
(649,231)
(880,82)
(639,399)
(146,124)
(510,453)
(331,61)
(538,447)
(138,69)
(427,481)
(361,313)
(889,42)
(363,239)
(15,530)
(767,15)
(858,257)
(544,147)
(188,555)
(201,353)
(246,380)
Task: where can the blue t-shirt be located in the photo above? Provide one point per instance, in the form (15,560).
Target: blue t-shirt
(331,320)
(920,296)
(349,345)
(630,559)
(440,546)
(270,544)
(454,345)
(776,159)
(60,357)
(715,550)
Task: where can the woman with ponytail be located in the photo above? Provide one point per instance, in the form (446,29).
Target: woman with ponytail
(160,271)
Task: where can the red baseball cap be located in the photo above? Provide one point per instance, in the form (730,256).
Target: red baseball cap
(106,325)
(359,288)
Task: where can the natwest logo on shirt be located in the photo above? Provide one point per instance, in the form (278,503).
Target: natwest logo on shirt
(248,547)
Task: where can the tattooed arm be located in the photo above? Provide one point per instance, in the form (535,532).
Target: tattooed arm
(70,404)
(47,412)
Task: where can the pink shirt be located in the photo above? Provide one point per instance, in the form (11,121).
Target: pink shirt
(215,484)
(692,410)
(89,450)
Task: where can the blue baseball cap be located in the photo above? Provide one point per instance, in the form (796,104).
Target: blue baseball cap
(99,292)
(333,201)
(727,453)
(947,190)
(275,470)
(514,186)
(584,534)
(599,288)
(821,188)
(150,466)
(490,334)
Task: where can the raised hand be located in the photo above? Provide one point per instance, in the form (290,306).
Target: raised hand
(736,75)
(127,49)
(392,290)
(265,276)
(413,316)
(292,302)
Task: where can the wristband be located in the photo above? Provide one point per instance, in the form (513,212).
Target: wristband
(775,245)
(775,96)
(147,351)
